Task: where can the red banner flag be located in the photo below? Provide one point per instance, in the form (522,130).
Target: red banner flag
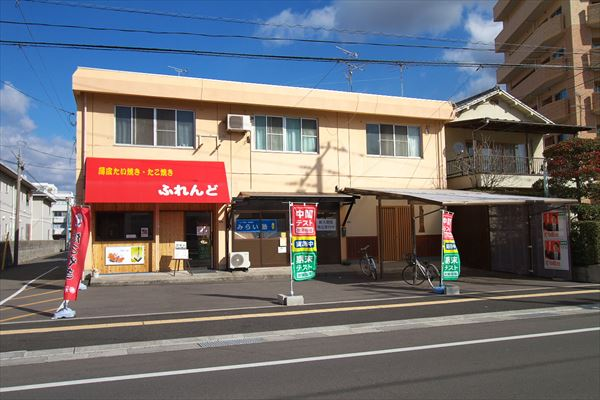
(304,220)
(80,235)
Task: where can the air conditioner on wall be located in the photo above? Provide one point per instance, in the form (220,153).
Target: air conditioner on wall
(239,260)
(239,123)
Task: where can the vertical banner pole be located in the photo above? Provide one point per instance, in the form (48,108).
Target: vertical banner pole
(290,204)
(380,237)
(80,233)
(443,210)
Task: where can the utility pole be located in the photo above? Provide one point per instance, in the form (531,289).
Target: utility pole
(20,168)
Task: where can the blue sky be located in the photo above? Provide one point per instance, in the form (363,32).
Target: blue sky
(35,93)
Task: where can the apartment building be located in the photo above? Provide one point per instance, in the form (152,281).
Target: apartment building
(60,209)
(215,164)
(556,33)
(35,217)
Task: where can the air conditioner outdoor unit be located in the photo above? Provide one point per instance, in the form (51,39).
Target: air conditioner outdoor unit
(239,123)
(239,260)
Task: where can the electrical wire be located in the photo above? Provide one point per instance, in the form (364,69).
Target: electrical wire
(264,23)
(425,63)
(253,37)
(65,121)
(37,99)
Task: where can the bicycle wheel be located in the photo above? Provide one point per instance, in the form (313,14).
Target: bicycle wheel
(364,267)
(412,275)
(432,274)
(373,268)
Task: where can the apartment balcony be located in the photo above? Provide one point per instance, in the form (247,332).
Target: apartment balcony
(545,34)
(557,111)
(540,79)
(596,103)
(593,15)
(526,12)
(502,8)
(493,170)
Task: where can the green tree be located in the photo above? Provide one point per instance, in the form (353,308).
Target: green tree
(574,169)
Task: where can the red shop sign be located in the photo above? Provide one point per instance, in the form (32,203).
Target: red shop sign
(115,180)
(304,220)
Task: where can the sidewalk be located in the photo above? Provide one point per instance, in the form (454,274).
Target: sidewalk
(13,278)
(198,275)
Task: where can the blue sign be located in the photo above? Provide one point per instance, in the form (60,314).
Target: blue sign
(256,225)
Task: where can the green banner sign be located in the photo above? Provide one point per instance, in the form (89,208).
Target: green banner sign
(450,256)
(304,265)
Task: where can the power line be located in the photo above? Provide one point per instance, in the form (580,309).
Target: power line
(272,24)
(71,113)
(254,37)
(423,63)
(43,66)
(39,151)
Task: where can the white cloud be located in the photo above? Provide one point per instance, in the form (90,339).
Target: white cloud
(404,17)
(53,161)
(482,31)
(288,24)
(14,108)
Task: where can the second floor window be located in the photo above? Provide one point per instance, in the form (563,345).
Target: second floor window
(154,127)
(393,140)
(285,134)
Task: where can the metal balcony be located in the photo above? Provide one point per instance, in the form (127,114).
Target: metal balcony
(494,164)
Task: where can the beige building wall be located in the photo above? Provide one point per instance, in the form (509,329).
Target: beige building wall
(342,117)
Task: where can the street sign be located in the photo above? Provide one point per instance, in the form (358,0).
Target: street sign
(256,225)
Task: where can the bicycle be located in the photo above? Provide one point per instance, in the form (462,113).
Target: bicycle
(367,263)
(416,272)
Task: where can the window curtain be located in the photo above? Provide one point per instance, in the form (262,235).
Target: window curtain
(123,125)
(309,135)
(293,134)
(401,141)
(185,128)
(373,139)
(144,126)
(260,130)
(165,127)
(414,141)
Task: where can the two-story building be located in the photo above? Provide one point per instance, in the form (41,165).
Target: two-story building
(216,163)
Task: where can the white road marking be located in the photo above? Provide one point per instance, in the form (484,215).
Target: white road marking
(25,286)
(289,361)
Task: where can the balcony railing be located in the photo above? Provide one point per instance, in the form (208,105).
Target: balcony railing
(542,36)
(495,164)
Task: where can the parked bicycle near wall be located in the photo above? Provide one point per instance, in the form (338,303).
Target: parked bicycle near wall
(417,272)
(367,263)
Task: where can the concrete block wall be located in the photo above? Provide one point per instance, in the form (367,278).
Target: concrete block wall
(30,250)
